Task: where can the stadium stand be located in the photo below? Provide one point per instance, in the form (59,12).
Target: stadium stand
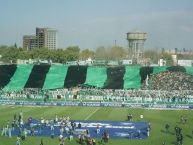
(96,76)
(159,69)
(189,70)
(19,78)
(132,77)
(171,81)
(6,72)
(115,78)
(76,75)
(130,84)
(37,76)
(55,77)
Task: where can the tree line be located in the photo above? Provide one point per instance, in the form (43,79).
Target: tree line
(72,53)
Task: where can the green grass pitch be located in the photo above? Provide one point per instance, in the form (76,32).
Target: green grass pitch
(158,119)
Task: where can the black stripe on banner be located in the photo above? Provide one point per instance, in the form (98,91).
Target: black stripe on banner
(177,68)
(37,76)
(75,75)
(144,71)
(115,78)
(6,72)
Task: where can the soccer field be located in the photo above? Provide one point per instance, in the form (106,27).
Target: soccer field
(157,118)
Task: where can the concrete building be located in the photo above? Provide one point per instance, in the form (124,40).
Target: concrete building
(29,42)
(47,38)
(136,42)
(51,38)
(44,38)
(179,51)
(185,63)
(41,37)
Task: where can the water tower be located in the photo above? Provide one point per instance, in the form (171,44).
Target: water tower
(136,45)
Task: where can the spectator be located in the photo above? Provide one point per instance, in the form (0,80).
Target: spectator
(105,137)
(192,133)
(18,141)
(79,125)
(62,141)
(167,127)
(41,141)
(98,129)
(169,80)
(163,143)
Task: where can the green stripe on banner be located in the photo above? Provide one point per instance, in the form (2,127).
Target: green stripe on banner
(96,76)
(132,78)
(55,77)
(189,70)
(158,69)
(19,78)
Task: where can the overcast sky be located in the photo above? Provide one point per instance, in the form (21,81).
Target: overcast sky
(94,23)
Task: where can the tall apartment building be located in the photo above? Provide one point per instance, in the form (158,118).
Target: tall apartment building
(44,38)
(51,38)
(41,37)
(29,42)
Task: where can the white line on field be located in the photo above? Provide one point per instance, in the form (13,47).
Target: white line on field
(92,113)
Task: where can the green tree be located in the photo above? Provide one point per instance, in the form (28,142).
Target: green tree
(15,45)
(72,53)
(86,53)
(101,53)
(153,55)
(116,53)
(10,54)
(23,54)
(168,58)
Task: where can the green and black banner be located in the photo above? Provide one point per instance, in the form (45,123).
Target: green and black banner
(18,77)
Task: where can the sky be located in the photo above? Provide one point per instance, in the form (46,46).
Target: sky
(95,23)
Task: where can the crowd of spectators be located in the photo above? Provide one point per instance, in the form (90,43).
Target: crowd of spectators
(140,96)
(170,80)
(110,95)
(30,93)
(162,87)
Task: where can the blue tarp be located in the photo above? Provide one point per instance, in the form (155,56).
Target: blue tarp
(115,129)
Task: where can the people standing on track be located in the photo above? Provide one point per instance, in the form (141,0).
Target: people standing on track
(41,141)
(163,143)
(98,129)
(18,141)
(105,137)
(167,126)
(62,141)
(130,117)
(192,133)
(79,125)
